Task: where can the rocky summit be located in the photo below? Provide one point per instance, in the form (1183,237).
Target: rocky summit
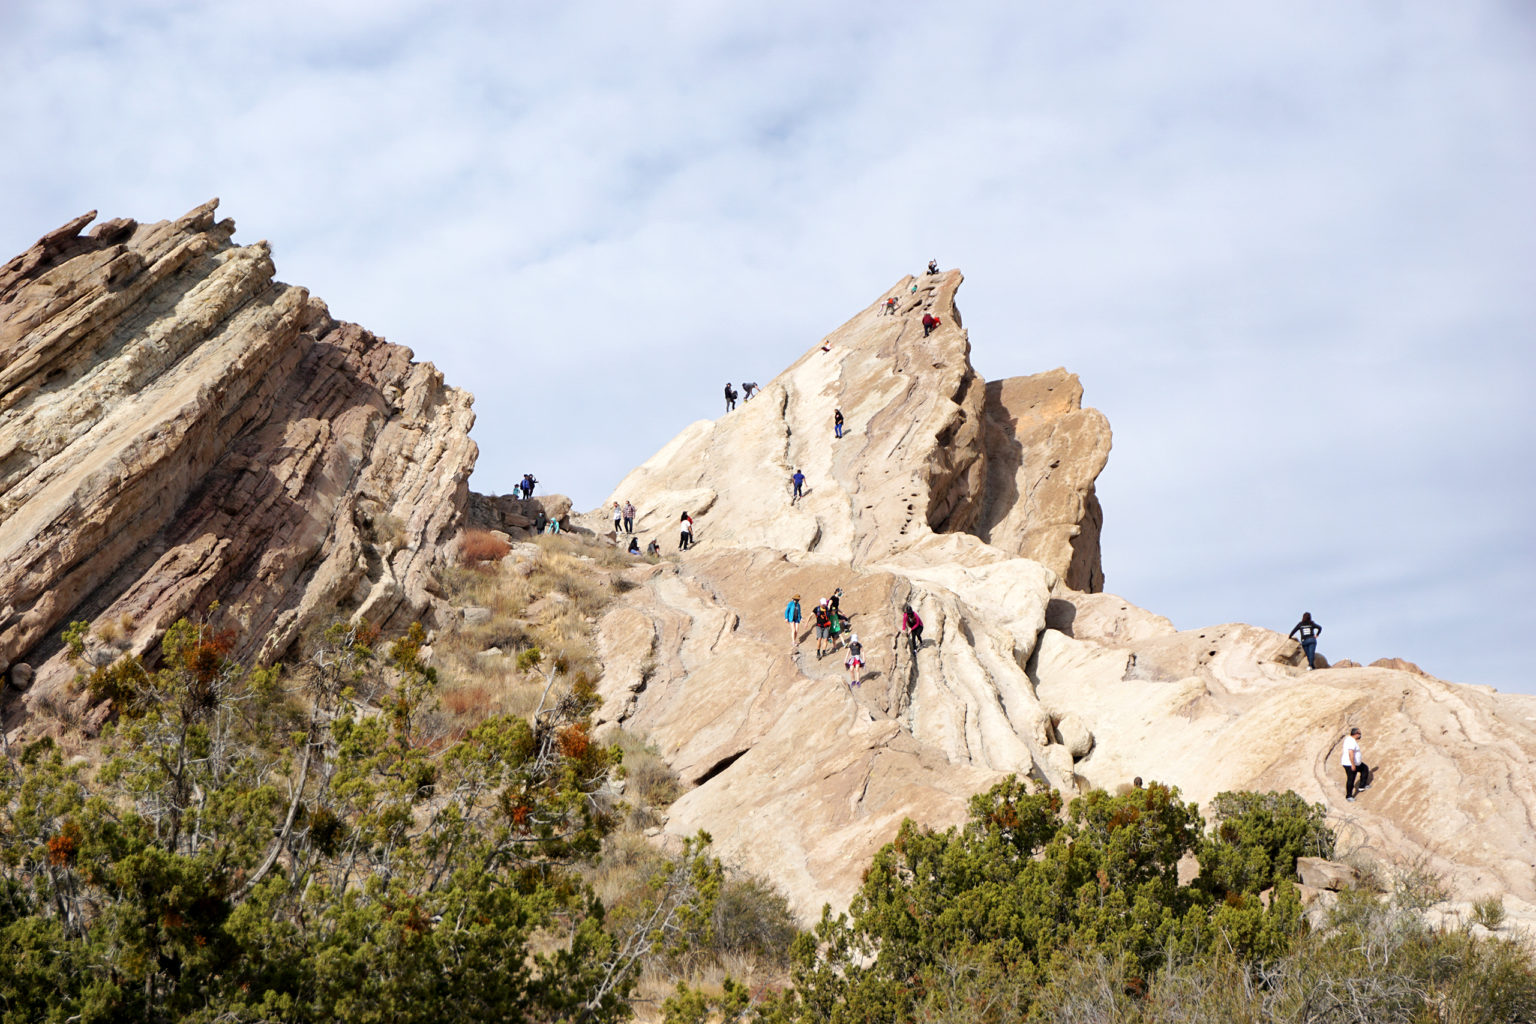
(974,502)
(177,428)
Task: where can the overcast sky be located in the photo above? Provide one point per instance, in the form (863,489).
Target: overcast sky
(1290,248)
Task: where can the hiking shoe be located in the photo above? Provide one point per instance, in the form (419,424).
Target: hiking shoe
(1350,799)
(1363,788)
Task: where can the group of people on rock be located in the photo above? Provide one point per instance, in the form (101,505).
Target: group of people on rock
(748,389)
(832,631)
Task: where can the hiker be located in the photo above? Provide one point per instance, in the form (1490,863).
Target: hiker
(618,519)
(748,390)
(933,266)
(890,306)
(834,605)
(629,518)
(855,661)
(730,397)
(539,521)
(792,616)
(685,537)
(634,545)
(1354,766)
(929,323)
(826,345)
(912,625)
(653,548)
(554,525)
(527,485)
(797,480)
(823,626)
(837,423)
(1309,631)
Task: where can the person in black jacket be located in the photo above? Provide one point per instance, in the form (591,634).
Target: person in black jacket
(1309,631)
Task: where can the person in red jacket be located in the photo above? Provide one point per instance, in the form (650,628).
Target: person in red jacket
(929,323)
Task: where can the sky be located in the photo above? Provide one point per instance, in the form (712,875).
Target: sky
(1289,248)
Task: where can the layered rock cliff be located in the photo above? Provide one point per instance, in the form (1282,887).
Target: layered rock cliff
(178,427)
(974,502)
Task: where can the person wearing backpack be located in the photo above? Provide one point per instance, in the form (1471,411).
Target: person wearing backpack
(855,661)
(823,627)
(792,616)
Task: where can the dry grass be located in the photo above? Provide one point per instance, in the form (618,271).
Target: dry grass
(478,546)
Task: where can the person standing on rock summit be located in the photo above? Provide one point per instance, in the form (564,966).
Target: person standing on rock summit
(1355,767)
(1309,631)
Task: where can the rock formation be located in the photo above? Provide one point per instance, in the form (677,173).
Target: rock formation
(177,427)
(974,501)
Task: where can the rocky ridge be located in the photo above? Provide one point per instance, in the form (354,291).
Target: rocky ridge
(178,427)
(974,501)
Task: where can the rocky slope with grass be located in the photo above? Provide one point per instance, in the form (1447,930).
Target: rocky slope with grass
(177,427)
(974,501)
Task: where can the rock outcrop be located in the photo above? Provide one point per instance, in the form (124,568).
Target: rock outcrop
(975,502)
(177,427)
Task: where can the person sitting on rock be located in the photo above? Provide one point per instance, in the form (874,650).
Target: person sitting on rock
(634,545)
(823,627)
(933,266)
(855,661)
(929,323)
(1309,631)
(653,548)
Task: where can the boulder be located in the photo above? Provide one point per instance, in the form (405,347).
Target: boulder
(1075,736)
(1319,873)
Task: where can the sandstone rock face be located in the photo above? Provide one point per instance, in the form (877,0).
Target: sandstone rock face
(974,502)
(177,427)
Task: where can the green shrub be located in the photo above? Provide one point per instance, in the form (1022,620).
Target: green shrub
(1489,912)
(1255,839)
(528,658)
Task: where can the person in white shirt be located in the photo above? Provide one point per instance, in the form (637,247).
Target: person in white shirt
(1354,766)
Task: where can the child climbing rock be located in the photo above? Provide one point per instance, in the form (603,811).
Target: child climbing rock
(855,661)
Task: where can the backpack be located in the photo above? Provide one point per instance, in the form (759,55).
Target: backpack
(823,617)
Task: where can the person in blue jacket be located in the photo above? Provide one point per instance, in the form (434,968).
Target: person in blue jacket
(792,616)
(798,481)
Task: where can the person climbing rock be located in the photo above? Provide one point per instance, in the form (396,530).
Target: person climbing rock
(748,390)
(1355,768)
(1309,631)
(929,323)
(685,534)
(933,266)
(618,518)
(730,397)
(792,616)
(653,548)
(837,423)
(634,545)
(629,518)
(823,627)
(834,605)
(912,626)
(797,481)
(890,306)
(854,663)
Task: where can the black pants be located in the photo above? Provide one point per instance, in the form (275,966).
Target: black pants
(1362,772)
(629,524)
(684,541)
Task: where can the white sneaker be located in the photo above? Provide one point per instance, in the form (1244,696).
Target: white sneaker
(1350,799)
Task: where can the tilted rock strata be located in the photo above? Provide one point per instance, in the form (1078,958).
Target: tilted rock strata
(177,427)
(975,502)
